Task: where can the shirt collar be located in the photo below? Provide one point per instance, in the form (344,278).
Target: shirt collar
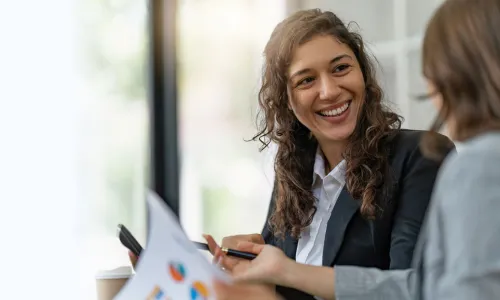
(338,173)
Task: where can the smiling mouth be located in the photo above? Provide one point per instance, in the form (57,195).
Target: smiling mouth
(336,111)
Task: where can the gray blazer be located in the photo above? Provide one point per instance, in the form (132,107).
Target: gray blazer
(457,256)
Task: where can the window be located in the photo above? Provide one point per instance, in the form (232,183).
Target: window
(75,139)
(113,133)
(226,183)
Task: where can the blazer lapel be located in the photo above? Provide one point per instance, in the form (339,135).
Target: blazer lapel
(290,246)
(342,213)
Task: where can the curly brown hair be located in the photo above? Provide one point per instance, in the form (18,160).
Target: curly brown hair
(366,154)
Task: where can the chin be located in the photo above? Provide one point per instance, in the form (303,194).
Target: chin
(336,130)
(339,134)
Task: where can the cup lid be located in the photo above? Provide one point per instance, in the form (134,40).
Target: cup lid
(118,273)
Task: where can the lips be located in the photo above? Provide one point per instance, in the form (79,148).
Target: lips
(335,110)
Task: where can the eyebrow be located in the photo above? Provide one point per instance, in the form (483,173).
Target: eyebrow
(334,60)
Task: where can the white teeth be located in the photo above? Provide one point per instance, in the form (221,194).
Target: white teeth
(335,112)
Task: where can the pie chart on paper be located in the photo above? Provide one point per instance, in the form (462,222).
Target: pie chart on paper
(199,291)
(177,271)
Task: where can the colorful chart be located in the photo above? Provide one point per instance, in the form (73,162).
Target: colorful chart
(199,291)
(177,271)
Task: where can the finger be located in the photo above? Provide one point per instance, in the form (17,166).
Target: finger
(250,247)
(246,274)
(229,263)
(219,257)
(241,268)
(218,254)
(249,274)
(232,241)
(132,258)
(222,260)
(246,277)
(257,238)
(212,244)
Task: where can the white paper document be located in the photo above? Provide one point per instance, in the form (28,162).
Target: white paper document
(171,267)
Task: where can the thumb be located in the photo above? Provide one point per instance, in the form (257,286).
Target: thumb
(212,244)
(247,276)
(257,238)
(246,272)
(250,247)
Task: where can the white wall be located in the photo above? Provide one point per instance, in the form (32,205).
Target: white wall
(38,190)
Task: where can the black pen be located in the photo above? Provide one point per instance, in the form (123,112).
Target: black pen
(229,252)
(129,241)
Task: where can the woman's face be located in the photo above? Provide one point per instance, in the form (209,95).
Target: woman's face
(327,88)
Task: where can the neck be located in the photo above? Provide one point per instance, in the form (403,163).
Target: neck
(332,151)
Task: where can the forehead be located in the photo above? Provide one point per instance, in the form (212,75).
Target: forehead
(317,52)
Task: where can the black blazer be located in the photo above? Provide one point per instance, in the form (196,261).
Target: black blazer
(388,241)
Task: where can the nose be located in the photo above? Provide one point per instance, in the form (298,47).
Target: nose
(329,88)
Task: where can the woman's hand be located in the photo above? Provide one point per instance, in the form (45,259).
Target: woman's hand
(268,267)
(230,242)
(225,291)
(272,266)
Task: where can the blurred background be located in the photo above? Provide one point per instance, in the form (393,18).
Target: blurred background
(74,122)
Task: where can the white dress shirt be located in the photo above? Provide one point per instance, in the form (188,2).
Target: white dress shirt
(326,190)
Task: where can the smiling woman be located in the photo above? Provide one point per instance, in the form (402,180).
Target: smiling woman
(327,88)
(351,187)
(324,67)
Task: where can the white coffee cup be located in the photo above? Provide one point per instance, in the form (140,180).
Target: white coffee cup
(110,282)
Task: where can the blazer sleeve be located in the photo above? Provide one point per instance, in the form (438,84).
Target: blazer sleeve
(357,283)
(416,185)
(468,194)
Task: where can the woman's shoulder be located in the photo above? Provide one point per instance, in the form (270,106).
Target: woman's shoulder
(404,148)
(410,138)
(471,172)
(476,154)
(487,144)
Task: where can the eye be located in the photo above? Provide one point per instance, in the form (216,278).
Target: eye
(305,81)
(341,68)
